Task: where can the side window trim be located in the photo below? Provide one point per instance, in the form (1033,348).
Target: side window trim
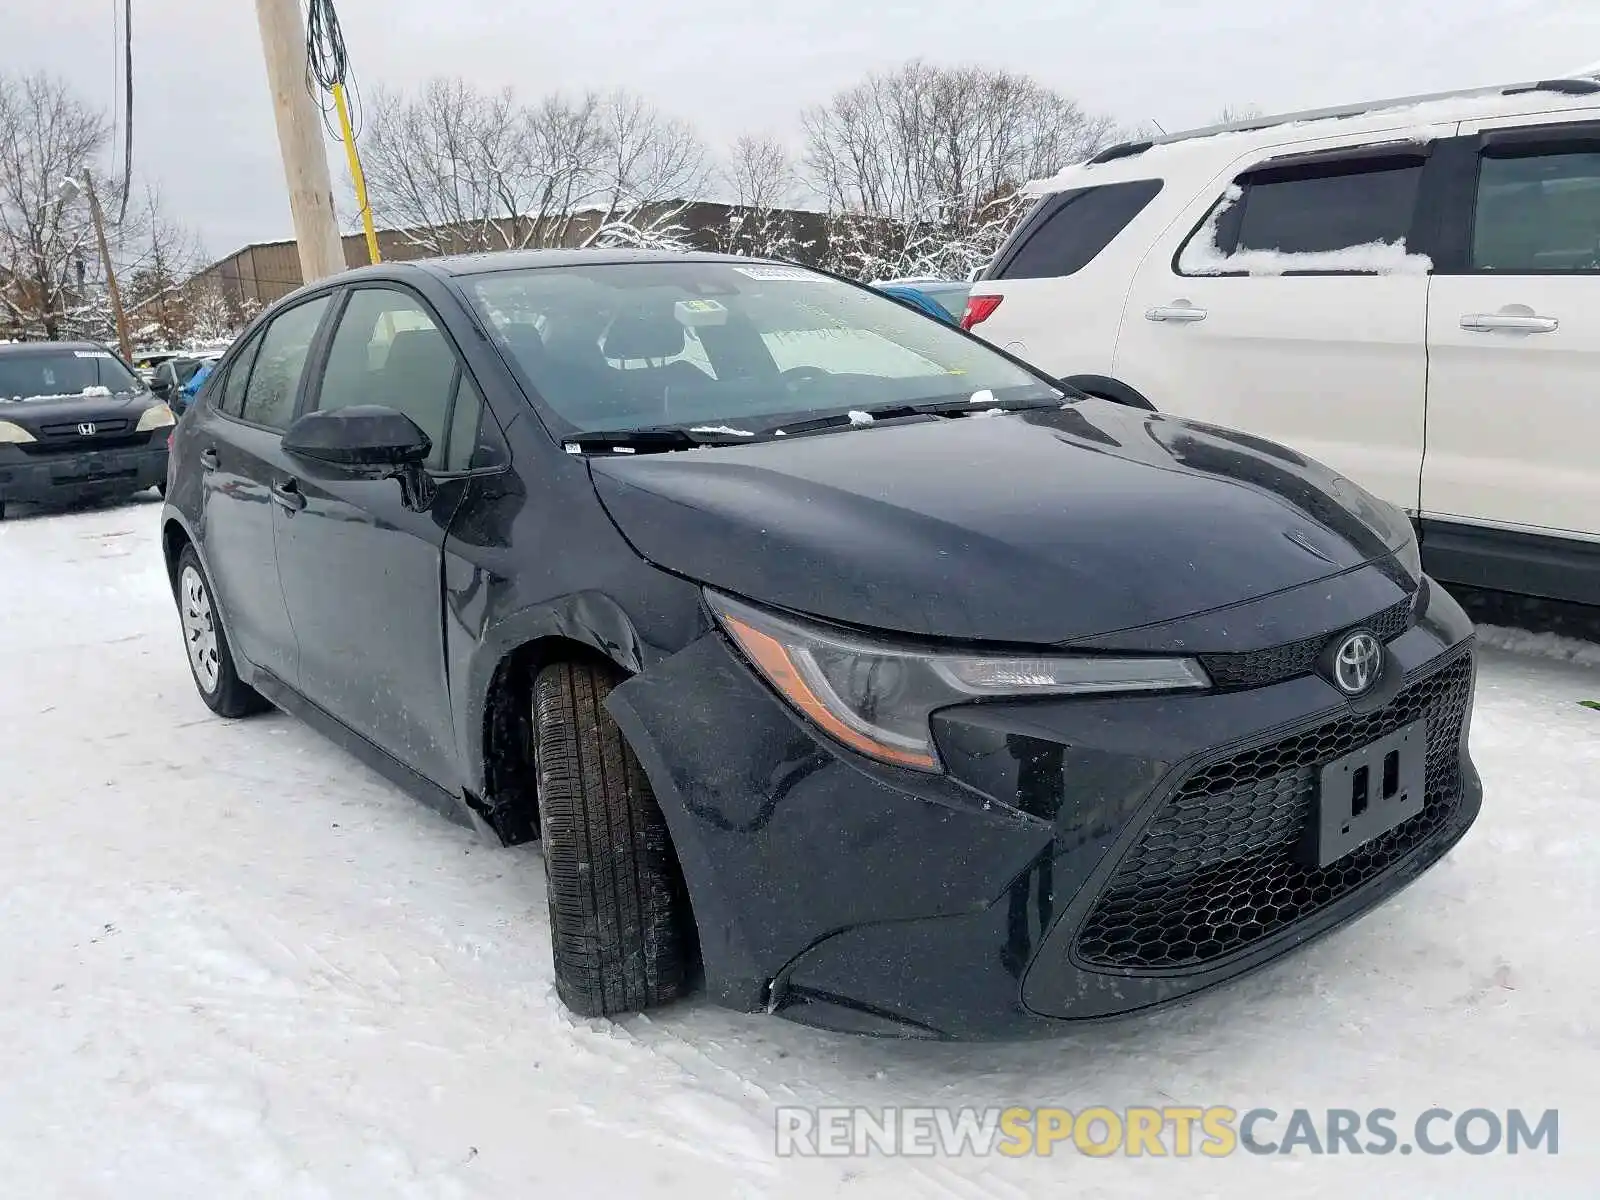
(1143,193)
(260,338)
(1314,165)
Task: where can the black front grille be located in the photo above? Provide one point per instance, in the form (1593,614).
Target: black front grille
(69,429)
(1215,871)
(58,447)
(1258,668)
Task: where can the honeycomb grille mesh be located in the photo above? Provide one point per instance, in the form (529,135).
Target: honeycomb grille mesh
(1215,871)
(1258,668)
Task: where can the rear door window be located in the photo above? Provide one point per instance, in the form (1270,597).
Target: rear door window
(269,397)
(1538,213)
(1317,213)
(1069,229)
(231,398)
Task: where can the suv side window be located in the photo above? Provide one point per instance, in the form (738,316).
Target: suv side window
(230,399)
(1537,213)
(269,396)
(1068,230)
(1317,209)
(389,350)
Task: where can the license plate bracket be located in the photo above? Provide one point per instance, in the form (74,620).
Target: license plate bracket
(1367,793)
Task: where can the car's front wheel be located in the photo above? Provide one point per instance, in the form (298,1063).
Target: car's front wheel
(620,925)
(210,658)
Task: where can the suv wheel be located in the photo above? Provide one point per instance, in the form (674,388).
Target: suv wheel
(210,659)
(619,916)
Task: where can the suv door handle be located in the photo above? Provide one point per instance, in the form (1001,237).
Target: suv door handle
(1489,322)
(1182,311)
(286,494)
(209,460)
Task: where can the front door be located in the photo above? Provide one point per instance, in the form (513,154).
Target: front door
(240,443)
(1514,338)
(1294,312)
(362,573)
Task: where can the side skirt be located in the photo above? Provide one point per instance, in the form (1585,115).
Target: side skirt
(454,808)
(1511,560)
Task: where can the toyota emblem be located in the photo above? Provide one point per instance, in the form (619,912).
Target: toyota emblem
(87,429)
(1357,663)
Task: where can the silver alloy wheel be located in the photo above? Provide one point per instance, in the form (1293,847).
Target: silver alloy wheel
(199,629)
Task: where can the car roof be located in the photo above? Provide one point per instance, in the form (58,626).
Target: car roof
(49,347)
(512,260)
(1411,118)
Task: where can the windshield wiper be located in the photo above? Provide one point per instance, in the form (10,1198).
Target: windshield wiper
(870,414)
(654,439)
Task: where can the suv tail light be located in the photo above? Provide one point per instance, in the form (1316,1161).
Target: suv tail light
(979,309)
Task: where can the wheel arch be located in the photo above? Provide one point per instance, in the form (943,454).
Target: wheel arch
(495,711)
(1106,388)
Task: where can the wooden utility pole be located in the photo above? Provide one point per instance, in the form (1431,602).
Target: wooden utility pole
(124,343)
(305,163)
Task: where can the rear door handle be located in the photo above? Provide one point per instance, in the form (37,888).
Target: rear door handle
(286,494)
(209,460)
(1490,322)
(1179,312)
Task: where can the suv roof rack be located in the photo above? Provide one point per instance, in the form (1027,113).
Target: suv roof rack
(1576,86)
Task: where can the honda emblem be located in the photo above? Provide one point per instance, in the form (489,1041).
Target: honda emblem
(86,429)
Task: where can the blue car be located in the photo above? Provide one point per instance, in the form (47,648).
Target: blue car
(941,298)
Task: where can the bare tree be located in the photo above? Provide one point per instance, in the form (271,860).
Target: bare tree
(1232,114)
(158,254)
(458,169)
(760,177)
(46,245)
(652,165)
(926,155)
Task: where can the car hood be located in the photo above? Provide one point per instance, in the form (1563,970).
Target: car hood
(1039,527)
(33,415)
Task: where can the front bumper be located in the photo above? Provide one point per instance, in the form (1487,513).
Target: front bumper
(1083,858)
(37,474)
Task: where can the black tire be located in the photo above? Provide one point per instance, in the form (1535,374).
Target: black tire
(619,916)
(218,680)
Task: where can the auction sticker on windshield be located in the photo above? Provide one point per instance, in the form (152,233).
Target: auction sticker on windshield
(779,273)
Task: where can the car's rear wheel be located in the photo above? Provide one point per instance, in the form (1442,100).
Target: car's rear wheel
(210,658)
(619,917)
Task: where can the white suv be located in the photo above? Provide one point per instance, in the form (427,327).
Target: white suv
(1408,291)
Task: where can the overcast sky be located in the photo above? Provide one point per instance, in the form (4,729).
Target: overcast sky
(203,121)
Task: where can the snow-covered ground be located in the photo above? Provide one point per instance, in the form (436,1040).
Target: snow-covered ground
(233,963)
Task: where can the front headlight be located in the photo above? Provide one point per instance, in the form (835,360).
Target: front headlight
(157,416)
(876,697)
(13,434)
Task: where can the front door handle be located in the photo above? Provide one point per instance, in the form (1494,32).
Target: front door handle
(286,494)
(1180,311)
(1517,322)
(209,460)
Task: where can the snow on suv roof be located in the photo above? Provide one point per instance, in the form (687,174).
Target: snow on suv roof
(1418,118)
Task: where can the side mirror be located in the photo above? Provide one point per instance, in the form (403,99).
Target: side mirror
(368,438)
(364,436)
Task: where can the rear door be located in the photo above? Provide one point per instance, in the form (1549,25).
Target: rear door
(240,444)
(1289,307)
(1514,335)
(362,573)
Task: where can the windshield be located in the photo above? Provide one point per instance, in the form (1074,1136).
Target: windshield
(34,374)
(632,346)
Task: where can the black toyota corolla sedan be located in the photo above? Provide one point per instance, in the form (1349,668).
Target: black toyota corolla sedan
(845,666)
(76,422)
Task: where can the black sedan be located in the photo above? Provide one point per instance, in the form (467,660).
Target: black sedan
(840,661)
(75,422)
